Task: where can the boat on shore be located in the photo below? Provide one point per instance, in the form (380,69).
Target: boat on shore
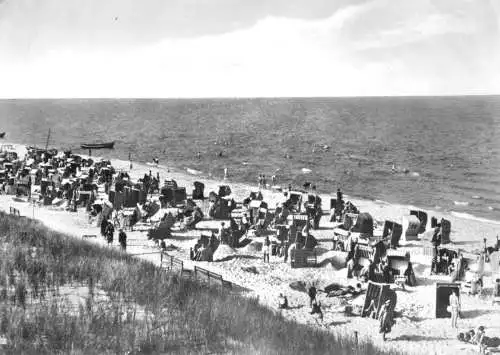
(108,145)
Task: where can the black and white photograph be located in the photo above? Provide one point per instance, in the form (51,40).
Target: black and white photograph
(250,177)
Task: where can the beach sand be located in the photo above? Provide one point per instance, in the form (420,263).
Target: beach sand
(417,331)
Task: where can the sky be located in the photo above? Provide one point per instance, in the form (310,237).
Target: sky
(248,48)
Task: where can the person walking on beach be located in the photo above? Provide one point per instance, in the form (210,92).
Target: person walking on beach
(104,226)
(110,231)
(436,242)
(267,247)
(264,183)
(312,295)
(386,319)
(122,239)
(454,308)
(339,195)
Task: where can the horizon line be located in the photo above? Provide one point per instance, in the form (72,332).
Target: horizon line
(245,97)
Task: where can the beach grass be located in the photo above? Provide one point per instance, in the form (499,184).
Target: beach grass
(146,309)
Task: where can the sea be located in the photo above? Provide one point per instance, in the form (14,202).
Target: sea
(439,153)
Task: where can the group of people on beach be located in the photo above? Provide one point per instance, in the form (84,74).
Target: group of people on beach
(108,232)
(262,182)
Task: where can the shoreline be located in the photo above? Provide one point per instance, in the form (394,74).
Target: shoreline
(462,224)
(456,210)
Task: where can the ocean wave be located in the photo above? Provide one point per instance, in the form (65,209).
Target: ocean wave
(415,174)
(477,197)
(460,203)
(306,171)
(472,217)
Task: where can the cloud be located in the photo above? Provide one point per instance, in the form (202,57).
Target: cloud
(34,26)
(377,47)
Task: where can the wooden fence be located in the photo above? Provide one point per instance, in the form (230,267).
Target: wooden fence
(208,276)
(172,264)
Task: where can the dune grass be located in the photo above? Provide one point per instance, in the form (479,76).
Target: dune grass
(147,311)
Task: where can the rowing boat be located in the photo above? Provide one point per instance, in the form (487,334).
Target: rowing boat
(108,145)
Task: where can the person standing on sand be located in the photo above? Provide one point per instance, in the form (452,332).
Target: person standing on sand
(122,239)
(267,247)
(104,226)
(454,308)
(222,233)
(386,319)
(436,242)
(312,295)
(110,231)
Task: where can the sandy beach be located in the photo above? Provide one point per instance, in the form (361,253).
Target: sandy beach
(417,330)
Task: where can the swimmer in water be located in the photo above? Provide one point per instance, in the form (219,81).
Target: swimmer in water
(394,168)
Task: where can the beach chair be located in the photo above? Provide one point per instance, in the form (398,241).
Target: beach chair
(411,226)
(422,216)
(224,190)
(298,220)
(198,192)
(398,263)
(443,292)
(445,231)
(393,232)
(379,293)
(300,258)
(349,220)
(294,201)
